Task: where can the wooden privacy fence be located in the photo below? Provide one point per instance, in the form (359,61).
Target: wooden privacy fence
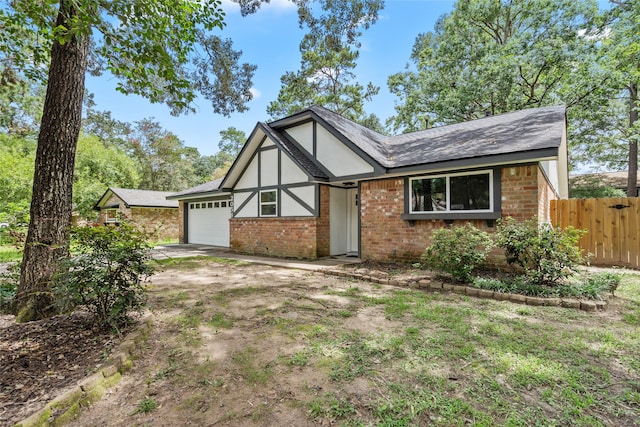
(613,224)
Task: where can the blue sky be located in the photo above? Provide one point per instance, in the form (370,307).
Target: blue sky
(270,39)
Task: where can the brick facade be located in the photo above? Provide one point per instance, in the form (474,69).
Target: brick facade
(295,237)
(161,223)
(385,236)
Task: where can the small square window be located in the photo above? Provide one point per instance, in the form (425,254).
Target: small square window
(209,205)
(216,205)
(223,204)
(197,205)
(192,206)
(111,215)
(269,203)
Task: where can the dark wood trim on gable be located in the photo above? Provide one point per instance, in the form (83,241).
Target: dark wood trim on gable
(302,203)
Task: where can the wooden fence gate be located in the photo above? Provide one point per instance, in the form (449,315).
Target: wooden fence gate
(613,224)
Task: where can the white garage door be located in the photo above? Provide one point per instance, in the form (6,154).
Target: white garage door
(208,223)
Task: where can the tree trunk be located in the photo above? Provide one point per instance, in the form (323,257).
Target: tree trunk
(51,206)
(632,181)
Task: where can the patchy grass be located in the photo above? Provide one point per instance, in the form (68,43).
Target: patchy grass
(186,263)
(334,352)
(9,253)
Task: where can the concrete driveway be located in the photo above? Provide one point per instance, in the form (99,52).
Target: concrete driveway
(190,250)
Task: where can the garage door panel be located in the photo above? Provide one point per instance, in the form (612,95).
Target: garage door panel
(208,223)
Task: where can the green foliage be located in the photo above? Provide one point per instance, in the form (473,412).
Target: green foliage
(592,286)
(547,254)
(326,74)
(592,187)
(146,405)
(458,251)
(99,166)
(493,57)
(8,284)
(107,273)
(164,162)
(17,157)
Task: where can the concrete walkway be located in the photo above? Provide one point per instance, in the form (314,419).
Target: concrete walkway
(191,250)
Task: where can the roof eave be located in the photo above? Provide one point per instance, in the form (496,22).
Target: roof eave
(480,161)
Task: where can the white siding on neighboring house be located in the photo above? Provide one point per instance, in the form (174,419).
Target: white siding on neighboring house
(250,210)
(303,134)
(337,157)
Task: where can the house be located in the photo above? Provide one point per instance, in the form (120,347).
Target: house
(315,184)
(149,210)
(617,180)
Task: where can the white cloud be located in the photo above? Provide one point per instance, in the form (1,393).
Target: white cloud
(231,6)
(255,92)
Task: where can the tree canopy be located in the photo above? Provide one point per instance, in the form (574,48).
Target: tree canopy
(329,56)
(155,49)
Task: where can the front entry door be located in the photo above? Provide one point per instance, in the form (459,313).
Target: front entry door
(343,221)
(352,222)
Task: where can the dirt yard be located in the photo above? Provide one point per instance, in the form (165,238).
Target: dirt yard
(253,345)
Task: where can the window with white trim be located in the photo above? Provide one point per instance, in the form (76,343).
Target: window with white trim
(111,215)
(461,192)
(268,203)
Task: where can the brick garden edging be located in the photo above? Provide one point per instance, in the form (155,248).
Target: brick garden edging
(91,389)
(427,283)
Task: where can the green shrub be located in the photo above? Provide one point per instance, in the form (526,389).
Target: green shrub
(458,251)
(107,273)
(547,254)
(8,284)
(591,287)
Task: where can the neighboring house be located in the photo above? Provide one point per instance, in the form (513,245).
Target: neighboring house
(316,184)
(148,210)
(617,180)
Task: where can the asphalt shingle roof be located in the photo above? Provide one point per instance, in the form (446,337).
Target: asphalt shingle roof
(146,198)
(207,187)
(524,130)
(295,152)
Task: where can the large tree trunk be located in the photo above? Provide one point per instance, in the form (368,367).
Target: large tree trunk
(632,181)
(51,207)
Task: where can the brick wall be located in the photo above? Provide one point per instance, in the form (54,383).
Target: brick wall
(161,223)
(520,192)
(385,236)
(545,195)
(283,237)
(295,237)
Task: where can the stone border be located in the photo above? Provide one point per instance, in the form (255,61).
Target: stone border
(426,283)
(91,389)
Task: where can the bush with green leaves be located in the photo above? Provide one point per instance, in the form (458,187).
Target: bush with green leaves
(106,274)
(547,254)
(458,251)
(9,280)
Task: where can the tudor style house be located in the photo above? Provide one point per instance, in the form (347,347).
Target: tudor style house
(315,184)
(148,210)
